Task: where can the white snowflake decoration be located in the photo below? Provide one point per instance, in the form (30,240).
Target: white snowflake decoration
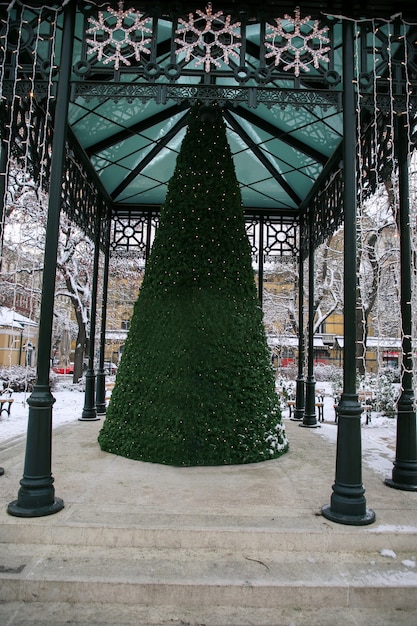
(118,36)
(299,39)
(208,37)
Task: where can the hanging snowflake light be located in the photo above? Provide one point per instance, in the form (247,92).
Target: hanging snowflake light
(297,42)
(208,38)
(119,35)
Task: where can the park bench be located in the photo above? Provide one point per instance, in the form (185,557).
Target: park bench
(364,397)
(6,401)
(319,406)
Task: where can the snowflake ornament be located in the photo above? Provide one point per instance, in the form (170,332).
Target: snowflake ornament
(298,39)
(119,35)
(208,37)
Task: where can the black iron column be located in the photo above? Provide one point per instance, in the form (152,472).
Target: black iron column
(348,503)
(3,186)
(261,260)
(3,164)
(89,412)
(404,473)
(300,384)
(36,495)
(310,418)
(101,376)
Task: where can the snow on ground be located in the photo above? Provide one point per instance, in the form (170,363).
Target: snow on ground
(378,437)
(67,408)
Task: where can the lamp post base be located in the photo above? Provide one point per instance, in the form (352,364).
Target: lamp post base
(353,520)
(19,511)
(389,482)
(94,418)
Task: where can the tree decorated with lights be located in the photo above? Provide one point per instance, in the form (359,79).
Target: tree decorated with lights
(195,384)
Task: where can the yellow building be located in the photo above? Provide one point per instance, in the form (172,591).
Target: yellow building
(18,339)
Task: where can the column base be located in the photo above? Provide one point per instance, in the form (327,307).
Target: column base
(83,418)
(389,482)
(353,520)
(19,511)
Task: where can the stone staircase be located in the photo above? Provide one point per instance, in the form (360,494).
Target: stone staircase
(237,546)
(178,573)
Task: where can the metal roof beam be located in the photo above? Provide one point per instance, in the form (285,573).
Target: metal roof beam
(82,157)
(277,133)
(332,165)
(262,158)
(140,127)
(150,156)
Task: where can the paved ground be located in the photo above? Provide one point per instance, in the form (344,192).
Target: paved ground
(269,508)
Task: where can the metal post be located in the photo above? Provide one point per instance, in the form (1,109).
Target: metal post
(89,412)
(101,376)
(36,495)
(300,383)
(310,418)
(348,503)
(404,473)
(3,165)
(261,260)
(3,186)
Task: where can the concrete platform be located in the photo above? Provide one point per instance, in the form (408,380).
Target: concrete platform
(147,544)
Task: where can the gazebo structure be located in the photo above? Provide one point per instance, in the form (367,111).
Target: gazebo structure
(320,105)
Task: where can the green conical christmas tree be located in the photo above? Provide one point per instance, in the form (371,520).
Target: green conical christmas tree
(195,384)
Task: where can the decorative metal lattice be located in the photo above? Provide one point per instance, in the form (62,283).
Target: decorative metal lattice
(250,96)
(133,230)
(327,209)
(272,236)
(82,201)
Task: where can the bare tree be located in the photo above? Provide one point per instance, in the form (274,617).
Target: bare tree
(24,242)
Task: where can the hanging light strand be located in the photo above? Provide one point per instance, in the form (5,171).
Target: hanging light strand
(360,195)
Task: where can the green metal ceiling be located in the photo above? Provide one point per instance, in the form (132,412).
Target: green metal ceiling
(277,154)
(275,70)
(132,142)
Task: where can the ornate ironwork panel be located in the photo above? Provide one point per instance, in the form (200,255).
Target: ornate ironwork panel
(207,94)
(327,209)
(82,201)
(272,236)
(133,230)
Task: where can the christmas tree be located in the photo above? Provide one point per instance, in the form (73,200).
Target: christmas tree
(195,384)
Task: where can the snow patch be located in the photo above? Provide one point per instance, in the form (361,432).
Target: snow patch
(389,553)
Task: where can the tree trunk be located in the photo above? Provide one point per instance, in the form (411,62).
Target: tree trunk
(80,350)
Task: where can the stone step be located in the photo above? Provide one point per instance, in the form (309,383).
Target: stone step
(307,531)
(145,577)
(105,614)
